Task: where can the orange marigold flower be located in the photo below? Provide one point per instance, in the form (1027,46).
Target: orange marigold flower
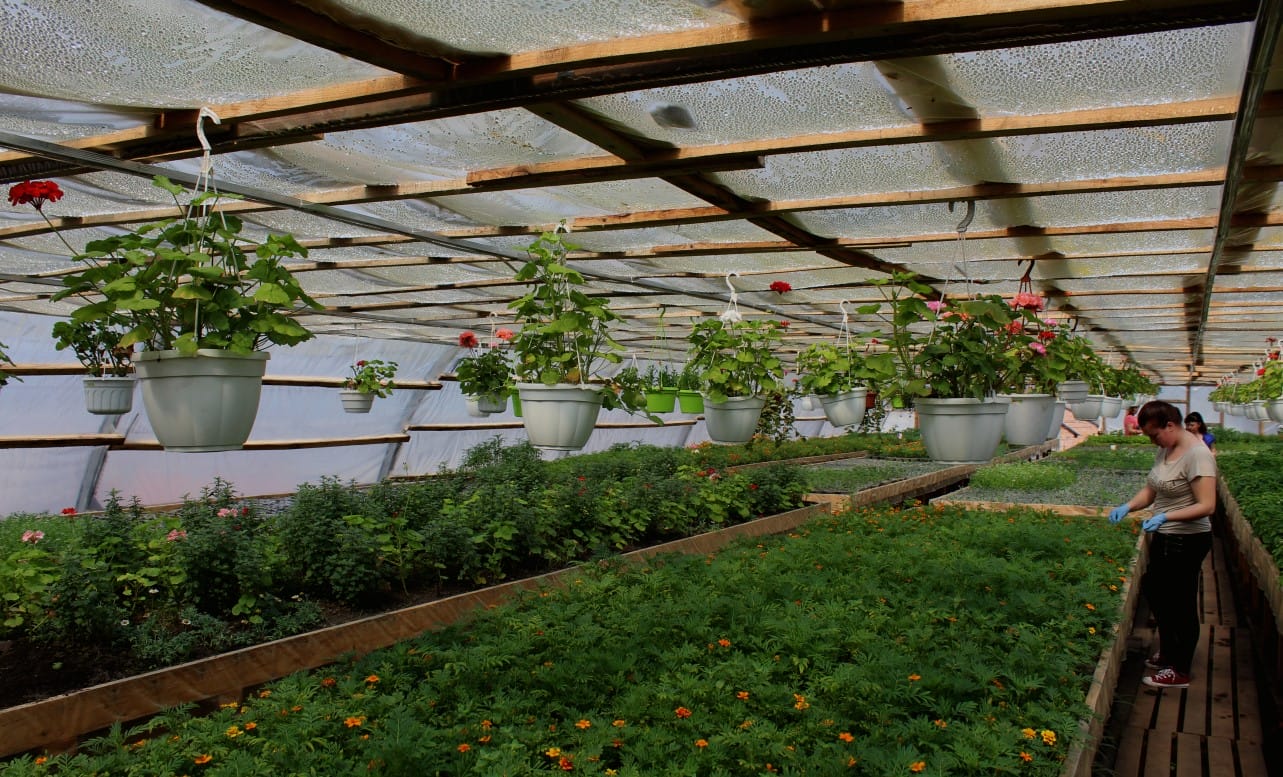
(724,642)
(486,724)
(566,764)
(701,743)
(374,678)
(464,747)
(682,712)
(846,736)
(619,723)
(917,766)
(40,760)
(913,678)
(1025,756)
(940,723)
(583,724)
(1091,606)
(329,682)
(485,740)
(264,694)
(800,702)
(250,726)
(296,708)
(203,758)
(741,695)
(354,721)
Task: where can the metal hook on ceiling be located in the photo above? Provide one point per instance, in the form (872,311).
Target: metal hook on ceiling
(966,220)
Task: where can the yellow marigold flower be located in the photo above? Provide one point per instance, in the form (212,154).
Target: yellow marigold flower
(612,772)
(1028,732)
(464,747)
(583,724)
(354,721)
(296,708)
(917,766)
(486,724)
(701,743)
(203,758)
(1025,756)
(231,705)
(552,752)
(801,702)
(1091,629)
(741,695)
(1048,737)
(374,678)
(233,732)
(619,723)
(846,736)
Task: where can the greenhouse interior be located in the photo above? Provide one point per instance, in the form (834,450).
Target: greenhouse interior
(641,387)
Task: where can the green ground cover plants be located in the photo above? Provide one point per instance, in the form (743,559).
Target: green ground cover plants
(905,444)
(1094,455)
(931,641)
(1252,476)
(1063,485)
(851,475)
(151,589)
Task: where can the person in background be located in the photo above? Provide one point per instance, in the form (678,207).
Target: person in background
(1194,423)
(1130,425)
(1181,487)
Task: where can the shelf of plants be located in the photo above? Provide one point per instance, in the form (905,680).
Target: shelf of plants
(768,656)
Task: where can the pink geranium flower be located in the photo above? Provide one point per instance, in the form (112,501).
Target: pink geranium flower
(33,536)
(935,305)
(176,535)
(1038,348)
(504,334)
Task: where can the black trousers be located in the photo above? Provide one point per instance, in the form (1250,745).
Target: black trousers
(1171,588)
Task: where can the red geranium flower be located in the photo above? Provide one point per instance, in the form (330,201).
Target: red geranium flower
(784,324)
(1015,328)
(34,193)
(1029,301)
(504,334)
(780,287)
(467,340)
(68,511)
(1047,335)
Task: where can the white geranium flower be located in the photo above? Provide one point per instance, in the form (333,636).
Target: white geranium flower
(731,317)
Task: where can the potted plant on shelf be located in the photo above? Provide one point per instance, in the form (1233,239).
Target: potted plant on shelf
(737,366)
(203,307)
(485,374)
(108,384)
(564,340)
(370,378)
(661,384)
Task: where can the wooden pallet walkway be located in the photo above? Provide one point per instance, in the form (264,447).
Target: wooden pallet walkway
(1213,728)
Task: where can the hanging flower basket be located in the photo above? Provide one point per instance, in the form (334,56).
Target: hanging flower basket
(559,417)
(355,401)
(690,401)
(109,396)
(960,431)
(1028,417)
(733,421)
(847,408)
(202,402)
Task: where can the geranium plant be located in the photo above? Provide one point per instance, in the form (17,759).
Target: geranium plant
(736,358)
(96,345)
(372,376)
(565,333)
(825,369)
(184,283)
(484,372)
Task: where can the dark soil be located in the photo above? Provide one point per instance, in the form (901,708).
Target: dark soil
(31,671)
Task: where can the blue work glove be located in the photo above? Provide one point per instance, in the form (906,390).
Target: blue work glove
(1118,513)
(1152,524)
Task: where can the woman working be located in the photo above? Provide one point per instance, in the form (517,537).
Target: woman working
(1181,487)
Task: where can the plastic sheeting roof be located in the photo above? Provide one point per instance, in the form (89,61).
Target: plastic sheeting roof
(1129,149)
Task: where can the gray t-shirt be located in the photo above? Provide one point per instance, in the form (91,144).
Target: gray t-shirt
(1173,486)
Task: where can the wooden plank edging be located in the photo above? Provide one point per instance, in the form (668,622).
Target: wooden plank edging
(1104,681)
(62,719)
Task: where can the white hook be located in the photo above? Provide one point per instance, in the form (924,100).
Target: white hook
(206,164)
(845,315)
(729,275)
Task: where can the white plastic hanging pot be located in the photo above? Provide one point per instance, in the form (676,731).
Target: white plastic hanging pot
(1274,409)
(1057,418)
(492,403)
(847,408)
(1028,417)
(1088,409)
(474,407)
(808,402)
(733,421)
(355,401)
(109,395)
(960,431)
(560,417)
(1110,407)
(1072,390)
(1257,410)
(204,402)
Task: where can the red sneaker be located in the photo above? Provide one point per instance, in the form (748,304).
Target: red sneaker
(1167,678)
